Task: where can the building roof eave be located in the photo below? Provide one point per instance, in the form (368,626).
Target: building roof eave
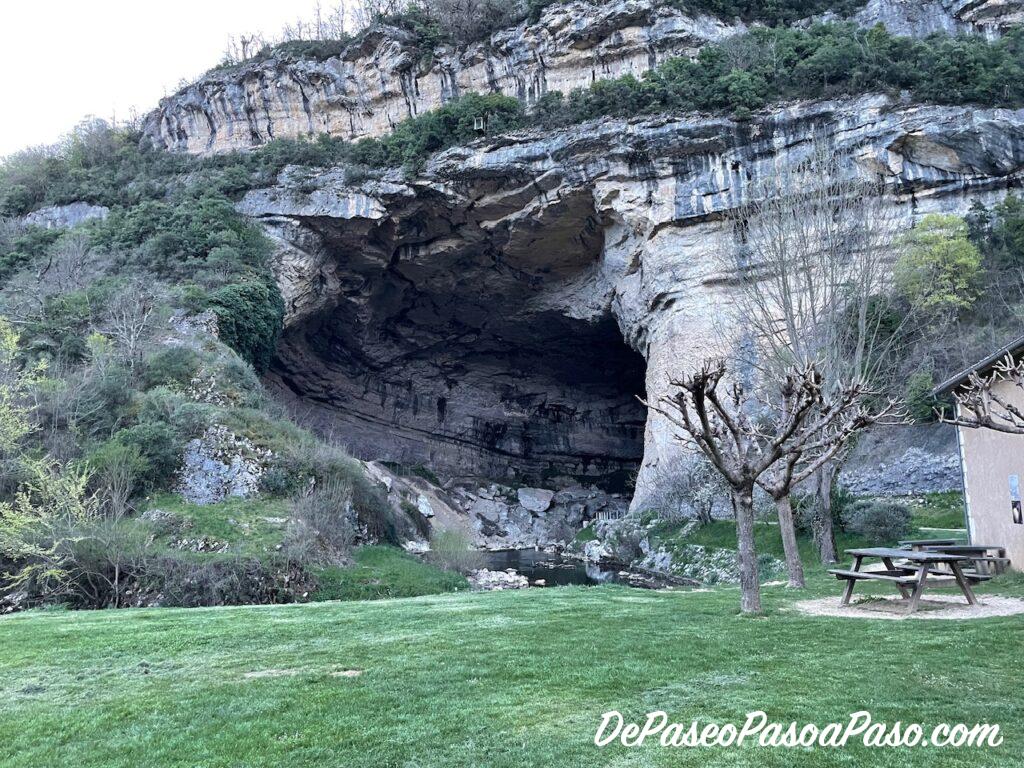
(1014,349)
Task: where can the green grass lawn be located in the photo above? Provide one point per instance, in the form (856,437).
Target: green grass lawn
(939,511)
(498,679)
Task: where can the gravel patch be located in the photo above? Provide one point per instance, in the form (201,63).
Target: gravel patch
(933,607)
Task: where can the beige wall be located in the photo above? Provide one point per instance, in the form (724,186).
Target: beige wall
(989,459)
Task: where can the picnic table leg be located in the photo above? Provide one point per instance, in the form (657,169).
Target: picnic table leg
(848,589)
(902,588)
(915,598)
(964,586)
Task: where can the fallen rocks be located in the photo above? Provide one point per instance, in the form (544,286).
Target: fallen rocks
(535,499)
(484,580)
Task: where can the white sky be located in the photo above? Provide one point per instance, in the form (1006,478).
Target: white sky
(61,60)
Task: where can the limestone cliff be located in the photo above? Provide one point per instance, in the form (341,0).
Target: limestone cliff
(500,313)
(385,77)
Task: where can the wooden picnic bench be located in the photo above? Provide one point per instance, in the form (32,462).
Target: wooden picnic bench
(918,544)
(907,570)
(984,563)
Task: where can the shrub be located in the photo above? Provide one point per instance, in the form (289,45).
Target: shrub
(160,448)
(453,551)
(301,463)
(877,520)
(190,581)
(249,319)
(106,556)
(185,417)
(173,367)
(116,468)
(323,524)
(920,402)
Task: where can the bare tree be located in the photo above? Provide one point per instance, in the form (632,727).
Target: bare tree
(70,265)
(130,321)
(842,412)
(694,488)
(980,404)
(813,249)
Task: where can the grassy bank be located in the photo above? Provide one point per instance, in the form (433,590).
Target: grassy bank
(497,679)
(381,572)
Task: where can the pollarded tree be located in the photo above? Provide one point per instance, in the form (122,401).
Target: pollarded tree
(780,433)
(812,251)
(980,404)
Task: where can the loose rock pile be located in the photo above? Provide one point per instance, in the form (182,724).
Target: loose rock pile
(485,580)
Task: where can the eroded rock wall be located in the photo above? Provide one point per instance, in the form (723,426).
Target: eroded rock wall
(385,77)
(502,268)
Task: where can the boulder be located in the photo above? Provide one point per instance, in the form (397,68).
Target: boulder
(535,499)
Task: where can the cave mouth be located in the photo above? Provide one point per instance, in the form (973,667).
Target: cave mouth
(470,385)
(474,339)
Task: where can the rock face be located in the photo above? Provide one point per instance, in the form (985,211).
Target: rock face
(914,17)
(500,314)
(219,465)
(495,516)
(385,77)
(900,461)
(65,216)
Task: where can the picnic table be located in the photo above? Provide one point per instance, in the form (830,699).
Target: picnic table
(907,570)
(979,554)
(916,544)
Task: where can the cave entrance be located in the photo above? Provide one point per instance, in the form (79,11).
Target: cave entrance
(466,389)
(470,345)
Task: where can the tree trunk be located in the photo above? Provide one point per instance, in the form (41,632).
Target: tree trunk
(793,564)
(821,523)
(750,585)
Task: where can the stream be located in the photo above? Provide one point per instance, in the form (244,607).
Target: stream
(556,571)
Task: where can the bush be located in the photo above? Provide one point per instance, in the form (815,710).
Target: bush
(172,367)
(185,417)
(159,446)
(920,402)
(116,469)
(189,581)
(250,317)
(323,525)
(300,464)
(881,522)
(453,551)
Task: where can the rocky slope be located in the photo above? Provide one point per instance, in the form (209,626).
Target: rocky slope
(385,77)
(500,313)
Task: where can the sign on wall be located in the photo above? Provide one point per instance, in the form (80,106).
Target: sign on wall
(1015,500)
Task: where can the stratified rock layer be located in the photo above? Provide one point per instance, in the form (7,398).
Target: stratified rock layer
(385,77)
(500,313)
